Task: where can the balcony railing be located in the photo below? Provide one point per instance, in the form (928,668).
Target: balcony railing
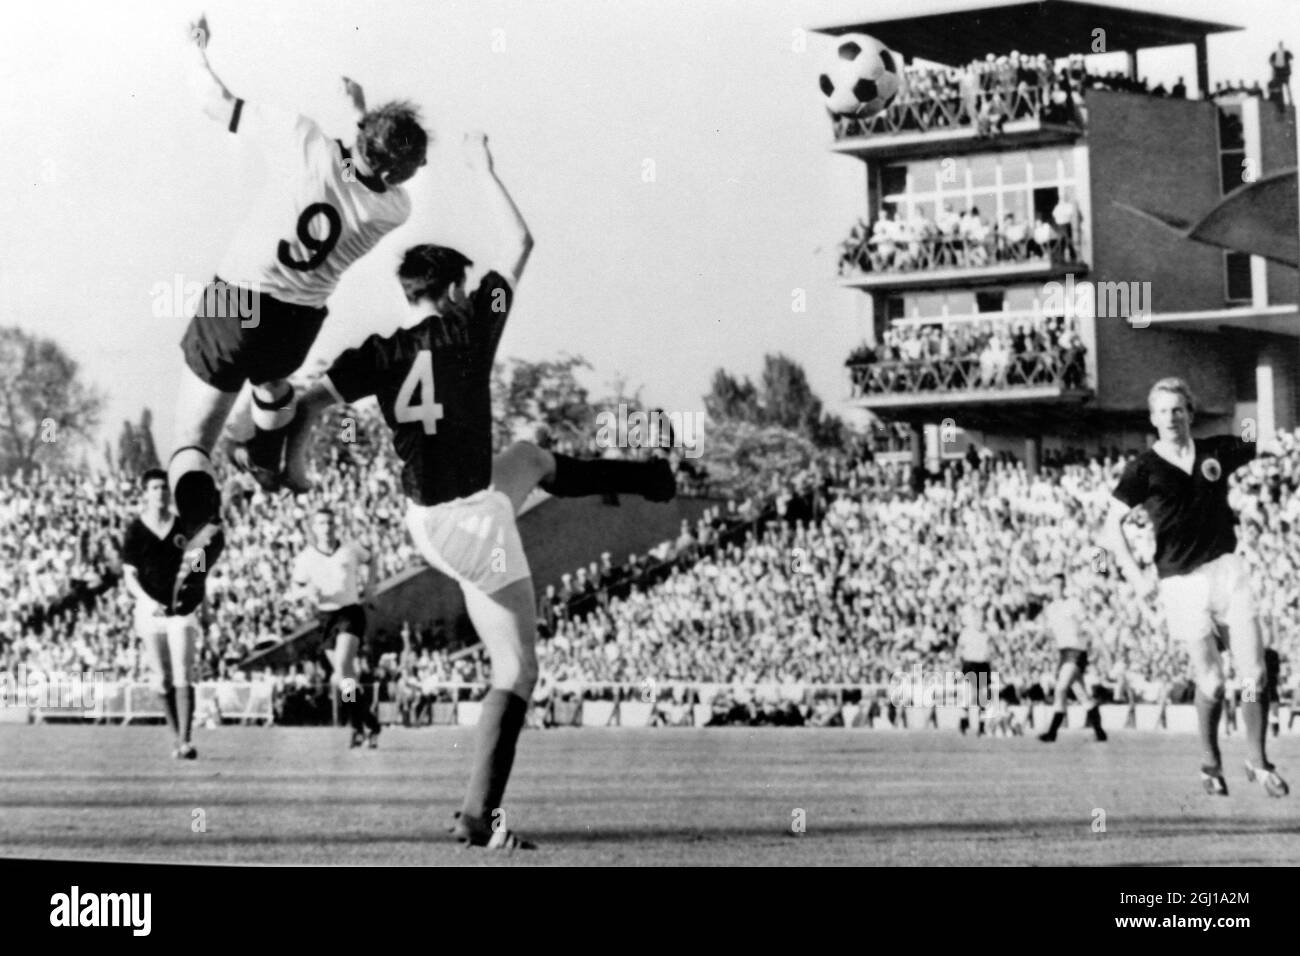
(876,254)
(1058,368)
(985,109)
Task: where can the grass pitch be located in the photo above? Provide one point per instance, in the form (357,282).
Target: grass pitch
(639,797)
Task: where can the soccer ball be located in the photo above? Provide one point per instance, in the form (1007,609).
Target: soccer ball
(863,78)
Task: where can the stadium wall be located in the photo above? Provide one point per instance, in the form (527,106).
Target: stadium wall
(1123,130)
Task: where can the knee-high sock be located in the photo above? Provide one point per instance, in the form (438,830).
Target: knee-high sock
(185,711)
(1253,716)
(1208,710)
(578,477)
(169,708)
(1058,718)
(499,724)
(270,419)
(368,718)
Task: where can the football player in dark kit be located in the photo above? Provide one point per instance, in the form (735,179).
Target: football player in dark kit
(152,549)
(1183,484)
(432,379)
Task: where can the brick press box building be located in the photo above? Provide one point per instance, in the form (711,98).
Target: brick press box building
(1145,300)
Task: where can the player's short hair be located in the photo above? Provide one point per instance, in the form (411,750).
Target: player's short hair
(152,474)
(391,135)
(1175,386)
(428,271)
(323,510)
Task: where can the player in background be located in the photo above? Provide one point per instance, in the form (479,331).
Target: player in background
(329,574)
(432,378)
(1065,616)
(973,652)
(325,206)
(151,555)
(1183,484)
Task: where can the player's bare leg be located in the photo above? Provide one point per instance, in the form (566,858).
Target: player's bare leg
(355,698)
(507,622)
(201,412)
(1066,676)
(1092,716)
(154,643)
(182,637)
(1248,656)
(1207,668)
(524,466)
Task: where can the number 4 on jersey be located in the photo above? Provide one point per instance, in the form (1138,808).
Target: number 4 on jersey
(427,410)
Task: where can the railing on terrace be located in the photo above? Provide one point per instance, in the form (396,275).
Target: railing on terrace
(1054,369)
(882,255)
(951,108)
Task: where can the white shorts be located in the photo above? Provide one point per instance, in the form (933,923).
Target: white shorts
(472,540)
(170,645)
(1215,595)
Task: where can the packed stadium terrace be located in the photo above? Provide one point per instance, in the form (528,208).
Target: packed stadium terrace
(986,94)
(845,578)
(62,610)
(877,585)
(952,241)
(996,353)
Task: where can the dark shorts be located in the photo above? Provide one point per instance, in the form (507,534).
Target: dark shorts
(350,619)
(976,668)
(238,335)
(1072,655)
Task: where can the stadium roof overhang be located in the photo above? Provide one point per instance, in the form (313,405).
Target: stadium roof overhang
(1274,319)
(957,31)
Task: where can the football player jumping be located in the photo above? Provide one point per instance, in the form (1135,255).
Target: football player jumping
(432,378)
(326,205)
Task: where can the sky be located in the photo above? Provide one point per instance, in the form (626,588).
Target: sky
(670,158)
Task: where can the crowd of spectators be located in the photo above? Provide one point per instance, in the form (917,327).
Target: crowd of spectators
(847,573)
(852,587)
(893,243)
(988,93)
(986,354)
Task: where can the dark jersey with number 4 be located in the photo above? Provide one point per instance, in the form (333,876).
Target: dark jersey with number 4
(1190,515)
(433,382)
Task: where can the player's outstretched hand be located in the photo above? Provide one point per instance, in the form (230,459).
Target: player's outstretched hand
(477,155)
(200,33)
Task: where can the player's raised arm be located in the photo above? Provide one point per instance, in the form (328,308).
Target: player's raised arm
(355,96)
(1114,541)
(216,101)
(514,243)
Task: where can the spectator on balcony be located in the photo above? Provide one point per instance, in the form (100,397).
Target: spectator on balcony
(975,234)
(1066,217)
(1015,237)
(883,245)
(1280,61)
(1040,245)
(1179,91)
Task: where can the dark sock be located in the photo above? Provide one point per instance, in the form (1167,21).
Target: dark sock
(499,724)
(1252,715)
(368,711)
(1058,718)
(197,500)
(185,711)
(1208,710)
(169,707)
(578,477)
(266,447)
